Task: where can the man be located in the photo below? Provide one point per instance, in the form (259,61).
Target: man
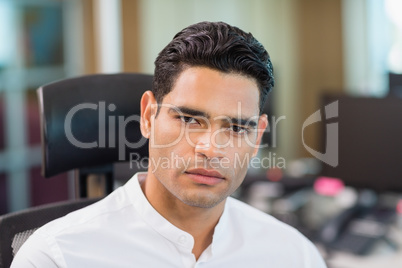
(203,119)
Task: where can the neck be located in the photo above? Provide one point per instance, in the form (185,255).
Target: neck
(197,221)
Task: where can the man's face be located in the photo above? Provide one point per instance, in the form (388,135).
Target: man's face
(204,135)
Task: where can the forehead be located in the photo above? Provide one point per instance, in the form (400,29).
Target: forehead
(218,93)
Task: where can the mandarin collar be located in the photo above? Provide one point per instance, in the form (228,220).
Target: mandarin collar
(161,225)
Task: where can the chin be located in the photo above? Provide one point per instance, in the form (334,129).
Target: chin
(203,201)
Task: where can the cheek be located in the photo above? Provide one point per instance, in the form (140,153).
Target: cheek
(241,159)
(166,134)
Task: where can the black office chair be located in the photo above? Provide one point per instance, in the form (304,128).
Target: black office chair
(90,122)
(15,228)
(87,123)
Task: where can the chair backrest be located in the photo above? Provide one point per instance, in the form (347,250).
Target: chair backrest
(88,121)
(15,228)
(91,120)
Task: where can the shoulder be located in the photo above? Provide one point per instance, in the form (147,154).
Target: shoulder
(103,214)
(43,249)
(254,222)
(252,216)
(260,226)
(100,211)
(271,238)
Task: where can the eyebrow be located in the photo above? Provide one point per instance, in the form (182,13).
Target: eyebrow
(232,120)
(189,111)
(243,122)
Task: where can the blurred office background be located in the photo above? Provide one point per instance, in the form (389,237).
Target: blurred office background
(344,47)
(333,46)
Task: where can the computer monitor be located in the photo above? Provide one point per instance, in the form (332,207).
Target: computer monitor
(395,84)
(370,143)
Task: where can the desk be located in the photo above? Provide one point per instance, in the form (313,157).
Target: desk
(306,210)
(382,255)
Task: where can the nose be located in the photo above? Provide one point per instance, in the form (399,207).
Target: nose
(211,145)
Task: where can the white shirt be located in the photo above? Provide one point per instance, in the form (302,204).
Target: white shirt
(124,230)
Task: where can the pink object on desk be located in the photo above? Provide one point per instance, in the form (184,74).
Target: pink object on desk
(399,207)
(328,186)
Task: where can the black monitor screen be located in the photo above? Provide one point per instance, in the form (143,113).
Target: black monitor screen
(370,143)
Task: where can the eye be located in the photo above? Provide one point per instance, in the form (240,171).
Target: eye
(188,120)
(238,129)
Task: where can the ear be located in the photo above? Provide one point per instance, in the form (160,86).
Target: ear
(262,125)
(148,103)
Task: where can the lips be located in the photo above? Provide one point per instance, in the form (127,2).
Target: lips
(204,176)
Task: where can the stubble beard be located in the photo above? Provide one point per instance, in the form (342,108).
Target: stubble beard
(205,198)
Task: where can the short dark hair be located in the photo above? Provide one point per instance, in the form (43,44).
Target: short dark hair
(216,45)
